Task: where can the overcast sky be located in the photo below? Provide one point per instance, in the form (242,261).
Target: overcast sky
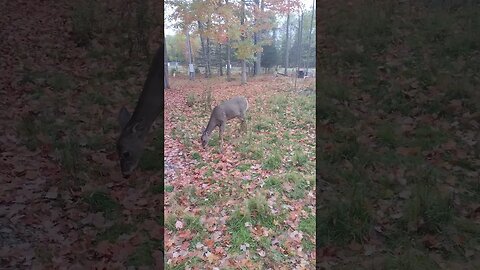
(170,31)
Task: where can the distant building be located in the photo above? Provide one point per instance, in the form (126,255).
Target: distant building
(173,64)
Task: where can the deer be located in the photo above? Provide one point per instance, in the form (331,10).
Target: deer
(235,107)
(135,127)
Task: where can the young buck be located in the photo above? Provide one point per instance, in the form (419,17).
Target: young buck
(232,108)
(135,127)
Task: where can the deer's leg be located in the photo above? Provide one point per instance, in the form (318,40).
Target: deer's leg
(243,124)
(220,132)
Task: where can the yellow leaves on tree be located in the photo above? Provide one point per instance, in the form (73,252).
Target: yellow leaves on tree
(245,49)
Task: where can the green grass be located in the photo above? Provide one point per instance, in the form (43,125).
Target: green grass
(170,223)
(300,185)
(240,234)
(169,188)
(396,101)
(273,182)
(299,158)
(191,99)
(151,160)
(59,81)
(70,160)
(427,137)
(208,173)
(44,254)
(32,126)
(273,161)
(264,124)
(159,188)
(308,245)
(427,205)
(412,260)
(256,153)
(256,211)
(261,150)
(467,226)
(142,256)
(244,167)
(196,156)
(101,202)
(211,199)
(112,233)
(95,97)
(343,222)
(387,136)
(28,131)
(386,61)
(83,22)
(120,72)
(332,89)
(95,142)
(346,146)
(193,223)
(308,225)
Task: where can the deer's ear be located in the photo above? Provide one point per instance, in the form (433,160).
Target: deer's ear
(123,117)
(138,127)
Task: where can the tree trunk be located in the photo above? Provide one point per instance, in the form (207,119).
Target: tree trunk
(228,54)
(255,53)
(274,42)
(256,39)
(191,75)
(228,61)
(310,37)
(244,71)
(165,64)
(286,45)
(220,62)
(208,71)
(204,47)
(244,66)
(299,45)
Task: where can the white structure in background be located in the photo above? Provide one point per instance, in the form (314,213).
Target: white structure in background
(191,71)
(173,64)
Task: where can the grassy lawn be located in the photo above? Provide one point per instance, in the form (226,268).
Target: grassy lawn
(256,201)
(397,146)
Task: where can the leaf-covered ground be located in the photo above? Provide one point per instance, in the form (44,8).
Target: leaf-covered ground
(252,207)
(63,202)
(399,120)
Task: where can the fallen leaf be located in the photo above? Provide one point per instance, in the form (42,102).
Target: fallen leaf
(369,250)
(179,224)
(52,193)
(209,243)
(405,194)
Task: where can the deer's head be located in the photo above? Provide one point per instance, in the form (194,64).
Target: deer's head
(204,139)
(130,144)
